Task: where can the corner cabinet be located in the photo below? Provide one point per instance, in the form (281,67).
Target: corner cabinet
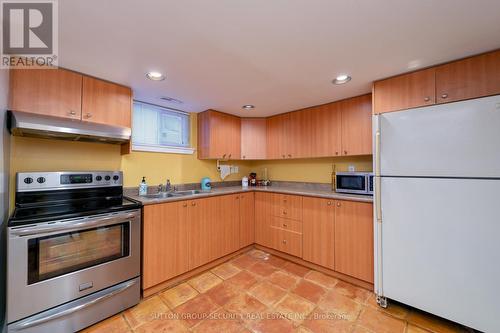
(219,135)
(253,138)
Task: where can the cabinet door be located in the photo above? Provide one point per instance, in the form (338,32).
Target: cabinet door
(52,92)
(165,252)
(354,239)
(253,138)
(356,129)
(405,91)
(229,223)
(234,139)
(298,134)
(319,231)
(200,215)
(326,123)
(273,130)
(469,78)
(263,218)
(247,219)
(106,103)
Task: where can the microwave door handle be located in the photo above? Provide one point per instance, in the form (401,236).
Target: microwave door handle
(52,316)
(71,225)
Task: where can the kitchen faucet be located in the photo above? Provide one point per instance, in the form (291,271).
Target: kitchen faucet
(168,187)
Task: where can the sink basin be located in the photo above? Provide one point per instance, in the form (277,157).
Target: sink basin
(171,194)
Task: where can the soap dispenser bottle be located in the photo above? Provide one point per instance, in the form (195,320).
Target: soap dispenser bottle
(143,187)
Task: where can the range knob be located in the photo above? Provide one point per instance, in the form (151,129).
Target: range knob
(107,178)
(40,180)
(28,180)
(98,178)
(115,177)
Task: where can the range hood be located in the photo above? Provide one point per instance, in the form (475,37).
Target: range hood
(49,127)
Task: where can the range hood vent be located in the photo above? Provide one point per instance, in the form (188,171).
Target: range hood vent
(49,127)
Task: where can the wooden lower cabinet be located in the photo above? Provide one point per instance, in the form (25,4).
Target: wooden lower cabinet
(287,206)
(286,241)
(228,225)
(263,215)
(319,231)
(165,251)
(247,219)
(202,230)
(354,239)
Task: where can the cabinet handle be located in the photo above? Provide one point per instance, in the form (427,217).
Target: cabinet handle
(426,99)
(284,241)
(244,156)
(237,197)
(329,203)
(289,155)
(224,156)
(193,203)
(72,112)
(229,156)
(88,115)
(336,153)
(283,156)
(338,204)
(285,225)
(444,96)
(345,152)
(284,212)
(284,200)
(184,205)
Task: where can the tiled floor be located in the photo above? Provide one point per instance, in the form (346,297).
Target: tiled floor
(256,292)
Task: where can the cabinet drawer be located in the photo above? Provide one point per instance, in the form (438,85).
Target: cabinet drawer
(287,206)
(287,241)
(286,224)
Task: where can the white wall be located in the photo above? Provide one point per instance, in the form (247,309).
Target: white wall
(4,186)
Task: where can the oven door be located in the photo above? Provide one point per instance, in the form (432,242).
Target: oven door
(56,262)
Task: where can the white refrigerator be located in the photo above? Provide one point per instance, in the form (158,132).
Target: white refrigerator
(437,210)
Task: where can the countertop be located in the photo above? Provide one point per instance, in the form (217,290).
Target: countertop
(271,189)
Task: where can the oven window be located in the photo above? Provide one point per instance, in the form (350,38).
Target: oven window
(352,183)
(55,255)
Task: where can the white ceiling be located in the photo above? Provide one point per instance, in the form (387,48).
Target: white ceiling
(277,54)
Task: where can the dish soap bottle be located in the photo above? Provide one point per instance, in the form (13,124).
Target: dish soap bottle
(143,187)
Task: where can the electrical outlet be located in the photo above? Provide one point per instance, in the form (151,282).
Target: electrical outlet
(351,168)
(235,169)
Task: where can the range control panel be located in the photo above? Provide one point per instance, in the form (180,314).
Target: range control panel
(40,181)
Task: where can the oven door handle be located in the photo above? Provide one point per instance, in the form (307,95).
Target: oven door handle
(38,321)
(71,225)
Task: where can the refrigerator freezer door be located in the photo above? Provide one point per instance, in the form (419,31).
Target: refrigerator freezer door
(441,248)
(452,140)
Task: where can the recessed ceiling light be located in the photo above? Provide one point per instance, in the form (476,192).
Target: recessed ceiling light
(155,76)
(248,107)
(341,79)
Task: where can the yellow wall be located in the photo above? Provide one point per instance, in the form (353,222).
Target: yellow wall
(31,154)
(316,170)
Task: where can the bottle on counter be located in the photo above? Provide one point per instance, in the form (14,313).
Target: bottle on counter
(143,187)
(244,181)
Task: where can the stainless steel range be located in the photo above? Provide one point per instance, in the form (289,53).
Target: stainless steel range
(73,251)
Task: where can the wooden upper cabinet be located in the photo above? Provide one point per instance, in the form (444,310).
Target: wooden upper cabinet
(53,92)
(469,78)
(273,132)
(318,229)
(356,128)
(165,232)
(404,91)
(106,103)
(219,135)
(298,135)
(354,239)
(326,123)
(253,138)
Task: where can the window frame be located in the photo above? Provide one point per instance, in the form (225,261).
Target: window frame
(160,148)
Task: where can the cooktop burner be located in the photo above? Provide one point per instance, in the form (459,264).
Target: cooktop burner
(41,197)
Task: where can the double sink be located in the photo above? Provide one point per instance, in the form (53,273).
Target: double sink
(163,195)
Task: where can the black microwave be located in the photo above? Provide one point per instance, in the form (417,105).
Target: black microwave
(354,182)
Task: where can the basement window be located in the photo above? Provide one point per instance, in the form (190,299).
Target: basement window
(160,129)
